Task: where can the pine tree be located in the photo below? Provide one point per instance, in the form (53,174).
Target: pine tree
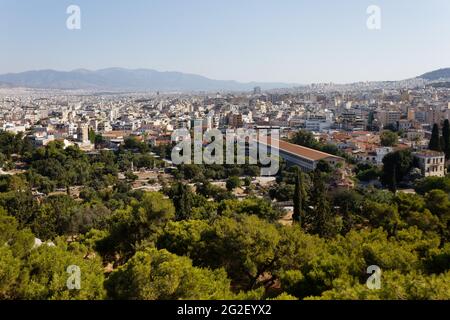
(435,143)
(446,138)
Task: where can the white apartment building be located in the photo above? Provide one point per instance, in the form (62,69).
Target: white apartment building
(381,153)
(317,125)
(431,163)
(373,157)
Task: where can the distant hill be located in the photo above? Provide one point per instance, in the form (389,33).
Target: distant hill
(5,85)
(119,79)
(436,75)
(439,84)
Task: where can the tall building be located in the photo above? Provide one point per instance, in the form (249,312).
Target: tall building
(411,114)
(83,133)
(208,123)
(388,117)
(433,115)
(235,120)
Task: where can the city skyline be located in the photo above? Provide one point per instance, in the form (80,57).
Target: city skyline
(294,42)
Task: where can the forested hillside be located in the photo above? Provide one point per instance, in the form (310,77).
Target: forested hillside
(196,240)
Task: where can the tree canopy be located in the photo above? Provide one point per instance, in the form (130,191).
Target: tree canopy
(196,240)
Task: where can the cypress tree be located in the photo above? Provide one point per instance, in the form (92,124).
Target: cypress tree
(394,179)
(182,200)
(435,143)
(91,135)
(298,198)
(322,221)
(446,138)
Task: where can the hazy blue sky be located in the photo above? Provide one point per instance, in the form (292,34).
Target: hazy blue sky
(262,40)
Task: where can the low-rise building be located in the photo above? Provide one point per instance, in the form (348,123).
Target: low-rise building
(305,158)
(431,163)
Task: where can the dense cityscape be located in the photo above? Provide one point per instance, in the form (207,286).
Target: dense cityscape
(91,173)
(212,159)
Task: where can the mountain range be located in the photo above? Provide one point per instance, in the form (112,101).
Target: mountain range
(119,79)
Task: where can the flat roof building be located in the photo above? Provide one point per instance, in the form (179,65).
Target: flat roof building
(431,163)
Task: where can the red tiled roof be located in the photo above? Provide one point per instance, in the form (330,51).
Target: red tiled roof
(304,152)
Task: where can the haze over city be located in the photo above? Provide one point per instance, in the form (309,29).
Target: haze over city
(290,41)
